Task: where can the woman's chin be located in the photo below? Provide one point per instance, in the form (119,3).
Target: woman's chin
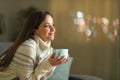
(51,38)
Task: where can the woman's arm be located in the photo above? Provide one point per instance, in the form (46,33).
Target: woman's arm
(25,62)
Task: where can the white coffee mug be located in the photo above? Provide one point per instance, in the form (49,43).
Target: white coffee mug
(61,52)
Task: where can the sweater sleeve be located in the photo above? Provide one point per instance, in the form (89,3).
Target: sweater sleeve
(44,69)
(24,63)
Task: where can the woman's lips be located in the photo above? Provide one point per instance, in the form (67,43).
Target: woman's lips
(52,33)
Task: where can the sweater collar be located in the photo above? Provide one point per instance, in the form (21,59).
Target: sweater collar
(43,45)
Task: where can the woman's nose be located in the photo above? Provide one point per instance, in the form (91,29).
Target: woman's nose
(52,28)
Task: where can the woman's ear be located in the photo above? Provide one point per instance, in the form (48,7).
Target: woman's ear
(34,31)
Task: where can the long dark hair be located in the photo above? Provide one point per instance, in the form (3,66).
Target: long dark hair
(32,23)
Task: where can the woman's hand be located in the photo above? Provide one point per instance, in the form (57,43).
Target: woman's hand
(54,61)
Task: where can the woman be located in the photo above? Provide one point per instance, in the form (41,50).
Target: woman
(31,56)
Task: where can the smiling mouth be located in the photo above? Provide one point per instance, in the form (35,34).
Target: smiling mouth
(51,34)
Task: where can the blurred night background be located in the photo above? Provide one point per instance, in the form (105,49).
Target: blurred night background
(88,28)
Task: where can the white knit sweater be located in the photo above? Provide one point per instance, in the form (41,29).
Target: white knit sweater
(30,61)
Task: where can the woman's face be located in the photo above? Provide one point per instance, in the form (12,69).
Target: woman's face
(46,29)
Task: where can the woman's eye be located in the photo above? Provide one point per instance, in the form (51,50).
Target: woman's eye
(47,25)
